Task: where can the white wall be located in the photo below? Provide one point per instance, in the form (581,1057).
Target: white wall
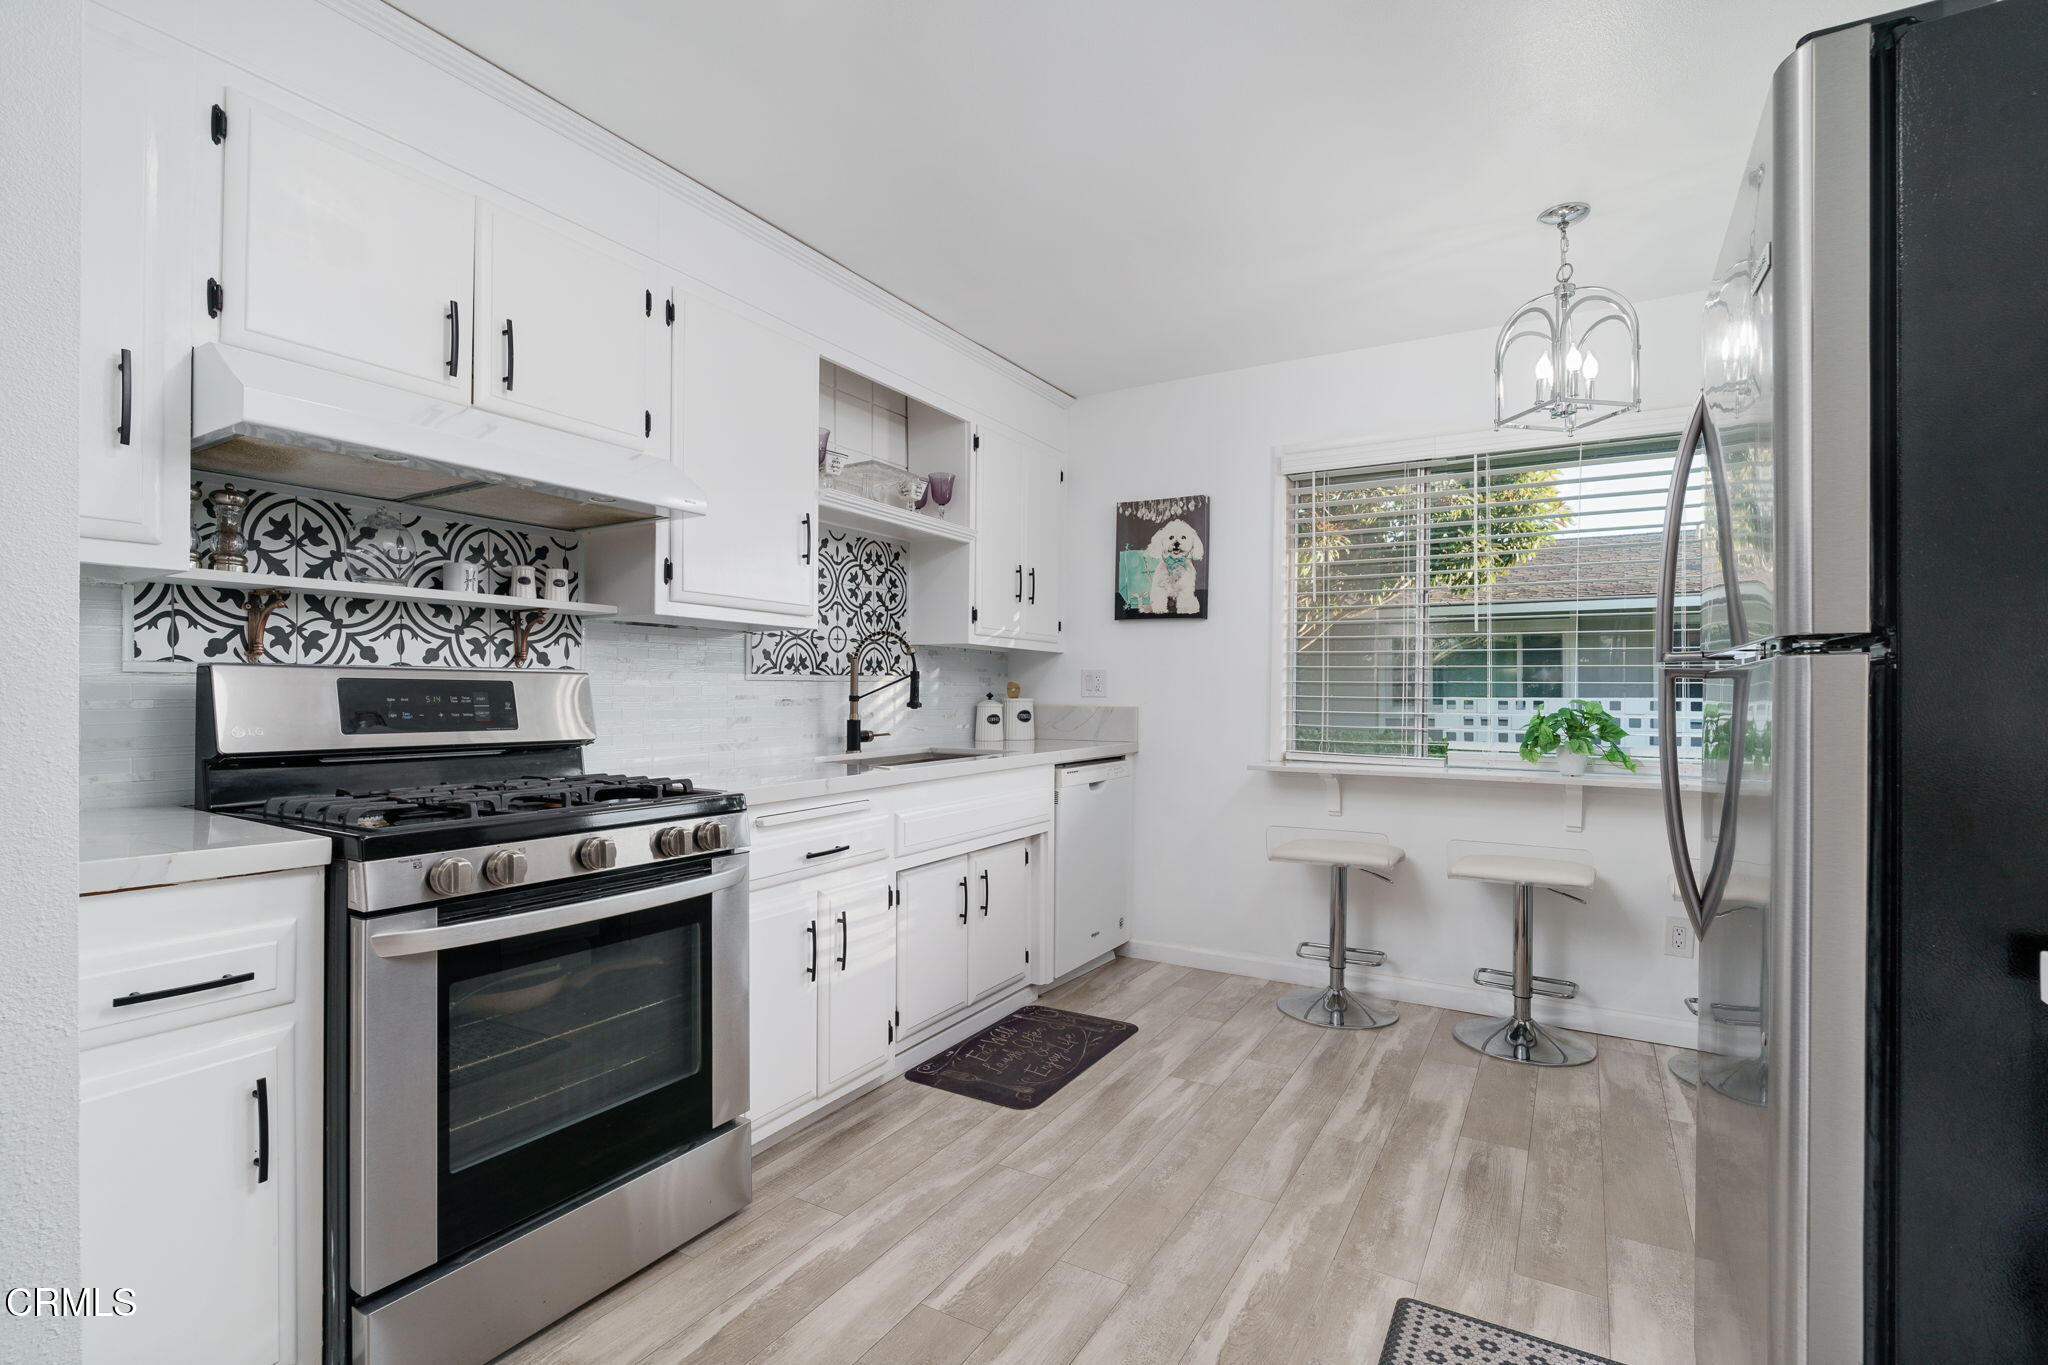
(1206,892)
(39,70)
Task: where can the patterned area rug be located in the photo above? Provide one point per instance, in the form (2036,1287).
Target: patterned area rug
(1423,1334)
(1023,1059)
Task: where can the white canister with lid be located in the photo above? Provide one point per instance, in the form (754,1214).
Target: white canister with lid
(1019,724)
(988,723)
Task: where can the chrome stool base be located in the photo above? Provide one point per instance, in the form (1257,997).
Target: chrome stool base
(1525,1041)
(1686,1068)
(1335,1007)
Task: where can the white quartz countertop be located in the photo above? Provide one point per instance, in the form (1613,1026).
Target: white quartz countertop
(119,850)
(805,779)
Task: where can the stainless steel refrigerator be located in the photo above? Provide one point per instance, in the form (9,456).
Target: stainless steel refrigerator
(1855,755)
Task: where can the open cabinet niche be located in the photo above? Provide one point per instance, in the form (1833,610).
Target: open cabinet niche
(868,431)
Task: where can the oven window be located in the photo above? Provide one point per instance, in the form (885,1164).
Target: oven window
(569,1058)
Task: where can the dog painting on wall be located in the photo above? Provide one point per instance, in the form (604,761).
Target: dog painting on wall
(1162,560)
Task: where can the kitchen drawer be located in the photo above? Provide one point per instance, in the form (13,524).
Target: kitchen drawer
(967,809)
(165,957)
(805,840)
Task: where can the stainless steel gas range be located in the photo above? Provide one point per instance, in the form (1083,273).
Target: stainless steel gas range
(537,1001)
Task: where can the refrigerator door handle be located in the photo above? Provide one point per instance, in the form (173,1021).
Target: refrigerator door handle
(1699,434)
(1702,903)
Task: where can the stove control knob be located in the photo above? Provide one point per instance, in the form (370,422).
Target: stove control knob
(709,836)
(452,877)
(672,842)
(597,854)
(506,867)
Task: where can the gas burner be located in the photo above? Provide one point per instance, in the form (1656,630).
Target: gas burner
(472,801)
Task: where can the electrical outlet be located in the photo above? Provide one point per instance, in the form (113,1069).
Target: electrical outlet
(1094,682)
(1677,937)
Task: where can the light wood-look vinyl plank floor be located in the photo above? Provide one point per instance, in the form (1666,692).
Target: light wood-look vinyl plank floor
(1228,1186)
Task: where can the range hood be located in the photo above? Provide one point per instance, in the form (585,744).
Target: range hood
(265,418)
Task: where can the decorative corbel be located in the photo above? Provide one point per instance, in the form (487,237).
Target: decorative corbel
(258,603)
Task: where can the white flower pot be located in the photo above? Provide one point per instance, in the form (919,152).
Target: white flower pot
(1571,764)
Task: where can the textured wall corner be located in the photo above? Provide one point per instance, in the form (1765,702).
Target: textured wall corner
(39,230)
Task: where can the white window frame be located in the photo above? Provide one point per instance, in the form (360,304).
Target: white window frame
(1324,456)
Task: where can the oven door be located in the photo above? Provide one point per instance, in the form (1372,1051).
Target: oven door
(516,1052)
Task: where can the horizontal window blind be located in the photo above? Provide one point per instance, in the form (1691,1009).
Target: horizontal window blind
(1433,606)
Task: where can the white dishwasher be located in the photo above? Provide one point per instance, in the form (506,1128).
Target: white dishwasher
(1094,824)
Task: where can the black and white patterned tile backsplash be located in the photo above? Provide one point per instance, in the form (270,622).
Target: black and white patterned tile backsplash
(304,534)
(863,586)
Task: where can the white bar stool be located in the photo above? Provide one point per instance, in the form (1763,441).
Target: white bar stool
(1519,1038)
(1336,1005)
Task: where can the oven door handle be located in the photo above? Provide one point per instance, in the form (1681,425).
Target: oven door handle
(413,942)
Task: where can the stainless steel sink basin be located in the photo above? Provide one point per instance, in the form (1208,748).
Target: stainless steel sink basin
(885,762)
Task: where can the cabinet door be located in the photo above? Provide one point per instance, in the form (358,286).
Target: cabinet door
(342,259)
(142,185)
(1001,917)
(932,907)
(786,959)
(573,337)
(1002,509)
(1043,527)
(858,927)
(744,400)
(174,1206)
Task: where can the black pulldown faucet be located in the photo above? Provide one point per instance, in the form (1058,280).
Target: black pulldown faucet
(855,736)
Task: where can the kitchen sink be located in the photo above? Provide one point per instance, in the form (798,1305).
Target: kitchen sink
(910,758)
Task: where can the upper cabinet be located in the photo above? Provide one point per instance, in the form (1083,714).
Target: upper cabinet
(151,189)
(339,258)
(1003,589)
(570,335)
(745,401)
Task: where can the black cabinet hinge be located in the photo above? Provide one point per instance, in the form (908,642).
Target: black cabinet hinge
(1063,476)
(974,613)
(669,310)
(899,1018)
(892,1032)
(650,303)
(647,422)
(1059,625)
(1027,955)
(218,125)
(668,571)
(977,440)
(216,298)
(1027,857)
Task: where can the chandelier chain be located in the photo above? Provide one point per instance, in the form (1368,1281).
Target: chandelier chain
(1564,249)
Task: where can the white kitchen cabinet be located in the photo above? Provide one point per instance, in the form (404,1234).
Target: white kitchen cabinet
(858,925)
(822,988)
(1003,590)
(200,1118)
(340,258)
(570,334)
(962,927)
(744,432)
(185,1198)
(1044,524)
(150,183)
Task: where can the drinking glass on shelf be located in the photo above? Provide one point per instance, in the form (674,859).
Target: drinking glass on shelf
(941,489)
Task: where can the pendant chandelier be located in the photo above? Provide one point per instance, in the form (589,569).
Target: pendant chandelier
(1546,367)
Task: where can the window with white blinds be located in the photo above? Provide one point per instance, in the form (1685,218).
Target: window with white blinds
(1433,606)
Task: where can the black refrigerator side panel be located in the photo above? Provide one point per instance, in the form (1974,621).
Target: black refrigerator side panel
(1966,908)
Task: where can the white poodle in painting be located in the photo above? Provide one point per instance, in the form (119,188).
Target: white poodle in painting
(1174,550)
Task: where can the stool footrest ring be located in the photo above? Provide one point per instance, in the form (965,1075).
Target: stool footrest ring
(1501,979)
(1355,957)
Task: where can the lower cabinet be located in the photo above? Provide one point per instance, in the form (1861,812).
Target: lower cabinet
(822,998)
(962,927)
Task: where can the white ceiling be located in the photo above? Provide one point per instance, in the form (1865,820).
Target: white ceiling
(1116,192)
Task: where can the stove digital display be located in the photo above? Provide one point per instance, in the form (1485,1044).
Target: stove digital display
(391,706)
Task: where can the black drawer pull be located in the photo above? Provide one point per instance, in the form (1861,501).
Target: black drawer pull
(963,900)
(262,1163)
(126,430)
(144,997)
(844,946)
(812,970)
(454,316)
(828,852)
(984,891)
(507,334)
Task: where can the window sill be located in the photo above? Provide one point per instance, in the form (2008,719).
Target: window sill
(1541,777)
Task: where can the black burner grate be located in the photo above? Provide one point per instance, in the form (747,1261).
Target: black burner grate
(517,795)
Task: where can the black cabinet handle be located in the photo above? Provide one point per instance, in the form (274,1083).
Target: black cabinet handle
(963,900)
(828,852)
(454,316)
(1020,582)
(984,892)
(262,1163)
(1034,586)
(812,970)
(807,537)
(126,428)
(144,997)
(507,334)
(843,945)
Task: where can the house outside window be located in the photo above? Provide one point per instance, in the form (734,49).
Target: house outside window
(1433,605)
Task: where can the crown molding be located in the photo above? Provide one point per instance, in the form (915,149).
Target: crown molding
(403,31)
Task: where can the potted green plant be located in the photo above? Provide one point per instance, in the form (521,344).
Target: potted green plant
(1576,734)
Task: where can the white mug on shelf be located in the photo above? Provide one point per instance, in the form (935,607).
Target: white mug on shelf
(466,578)
(522,580)
(556,586)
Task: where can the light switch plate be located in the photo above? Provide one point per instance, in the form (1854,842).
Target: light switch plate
(1094,682)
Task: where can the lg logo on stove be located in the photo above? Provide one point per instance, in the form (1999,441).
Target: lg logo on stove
(245,731)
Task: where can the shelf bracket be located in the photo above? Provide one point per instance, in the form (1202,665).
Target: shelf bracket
(258,604)
(523,623)
(1574,807)
(1333,791)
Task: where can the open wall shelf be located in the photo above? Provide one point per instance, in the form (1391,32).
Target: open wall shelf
(849,512)
(400,592)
